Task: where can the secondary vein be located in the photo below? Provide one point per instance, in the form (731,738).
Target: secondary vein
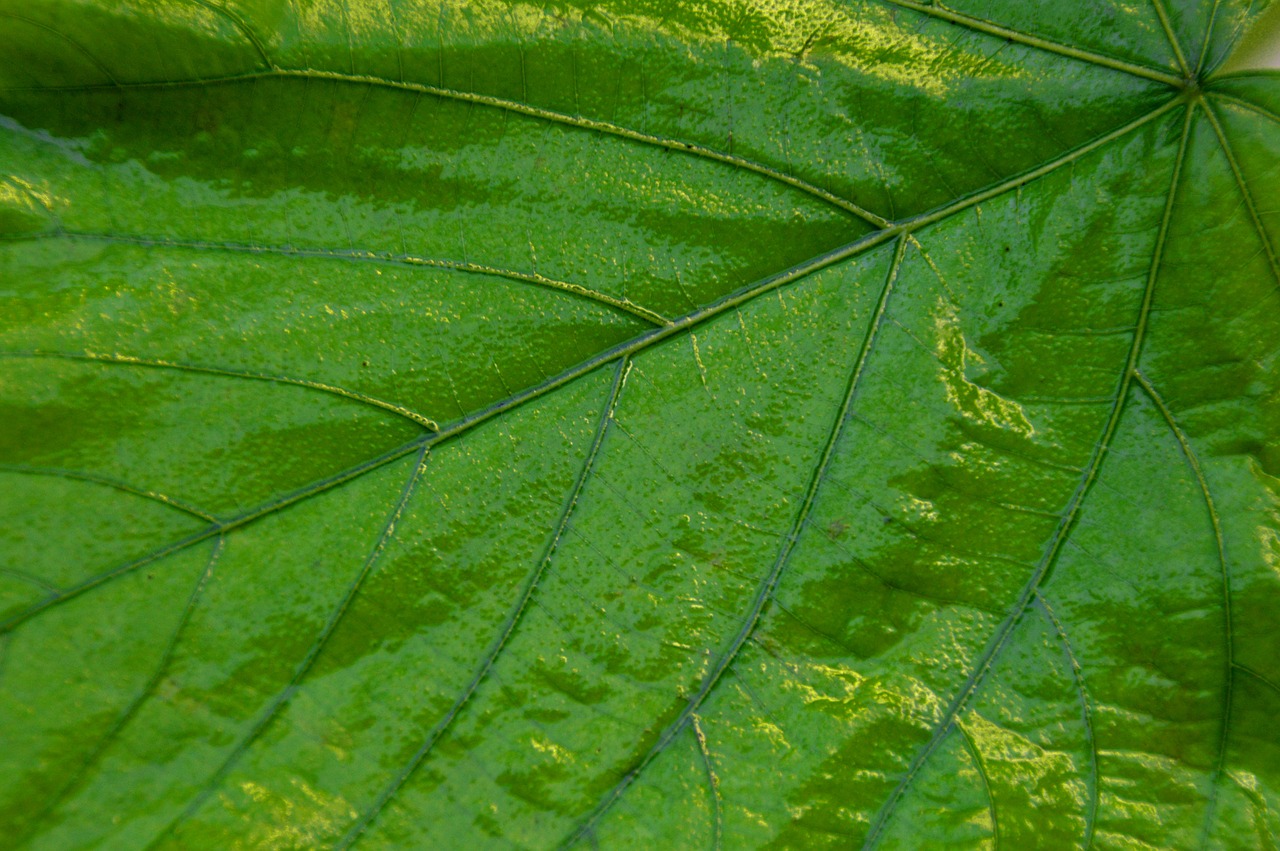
(108,481)
(384,258)
(1043,568)
(509,625)
(578,121)
(283,697)
(1215,522)
(1243,185)
(770,580)
(632,347)
(938,10)
(116,359)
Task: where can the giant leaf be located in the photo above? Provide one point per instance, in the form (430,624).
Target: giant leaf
(640,423)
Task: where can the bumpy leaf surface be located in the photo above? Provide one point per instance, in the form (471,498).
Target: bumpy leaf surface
(639,423)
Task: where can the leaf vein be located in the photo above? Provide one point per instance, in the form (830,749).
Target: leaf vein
(513,106)
(313,652)
(108,481)
(361,255)
(245,30)
(116,359)
(1167,26)
(358,828)
(1086,711)
(713,784)
(938,10)
(770,581)
(1002,633)
(631,347)
(1193,462)
(1249,204)
(978,763)
(125,717)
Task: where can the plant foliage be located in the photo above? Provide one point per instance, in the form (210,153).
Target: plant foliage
(643,423)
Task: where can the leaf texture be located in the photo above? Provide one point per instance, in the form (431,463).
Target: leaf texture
(639,424)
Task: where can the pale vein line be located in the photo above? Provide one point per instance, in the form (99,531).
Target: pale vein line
(1163,14)
(29,578)
(107,481)
(635,345)
(1244,190)
(713,784)
(284,696)
(1241,22)
(1208,37)
(359,255)
(510,624)
(213,529)
(1086,709)
(937,10)
(69,40)
(972,748)
(115,359)
(1275,687)
(577,121)
(752,617)
(162,667)
(1246,104)
(239,24)
(992,651)
(1193,462)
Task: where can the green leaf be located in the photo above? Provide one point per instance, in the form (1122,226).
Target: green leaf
(640,424)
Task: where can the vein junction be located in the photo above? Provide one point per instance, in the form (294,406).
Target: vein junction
(665,329)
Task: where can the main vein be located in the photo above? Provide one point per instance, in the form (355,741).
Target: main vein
(770,580)
(634,346)
(620,352)
(1167,26)
(1069,517)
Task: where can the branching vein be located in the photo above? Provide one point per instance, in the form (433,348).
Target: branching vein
(383,258)
(978,764)
(634,346)
(997,643)
(1193,462)
(1245,194)
(108,481)
(509,625)
(770,581)
(300,671)
(1086,712)
(520,108)
(161,670)
(1167,26)
(131,360)
(938,10)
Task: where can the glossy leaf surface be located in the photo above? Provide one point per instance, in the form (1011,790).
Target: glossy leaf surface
(638,424)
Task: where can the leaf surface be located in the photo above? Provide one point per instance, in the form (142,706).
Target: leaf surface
(645,424)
